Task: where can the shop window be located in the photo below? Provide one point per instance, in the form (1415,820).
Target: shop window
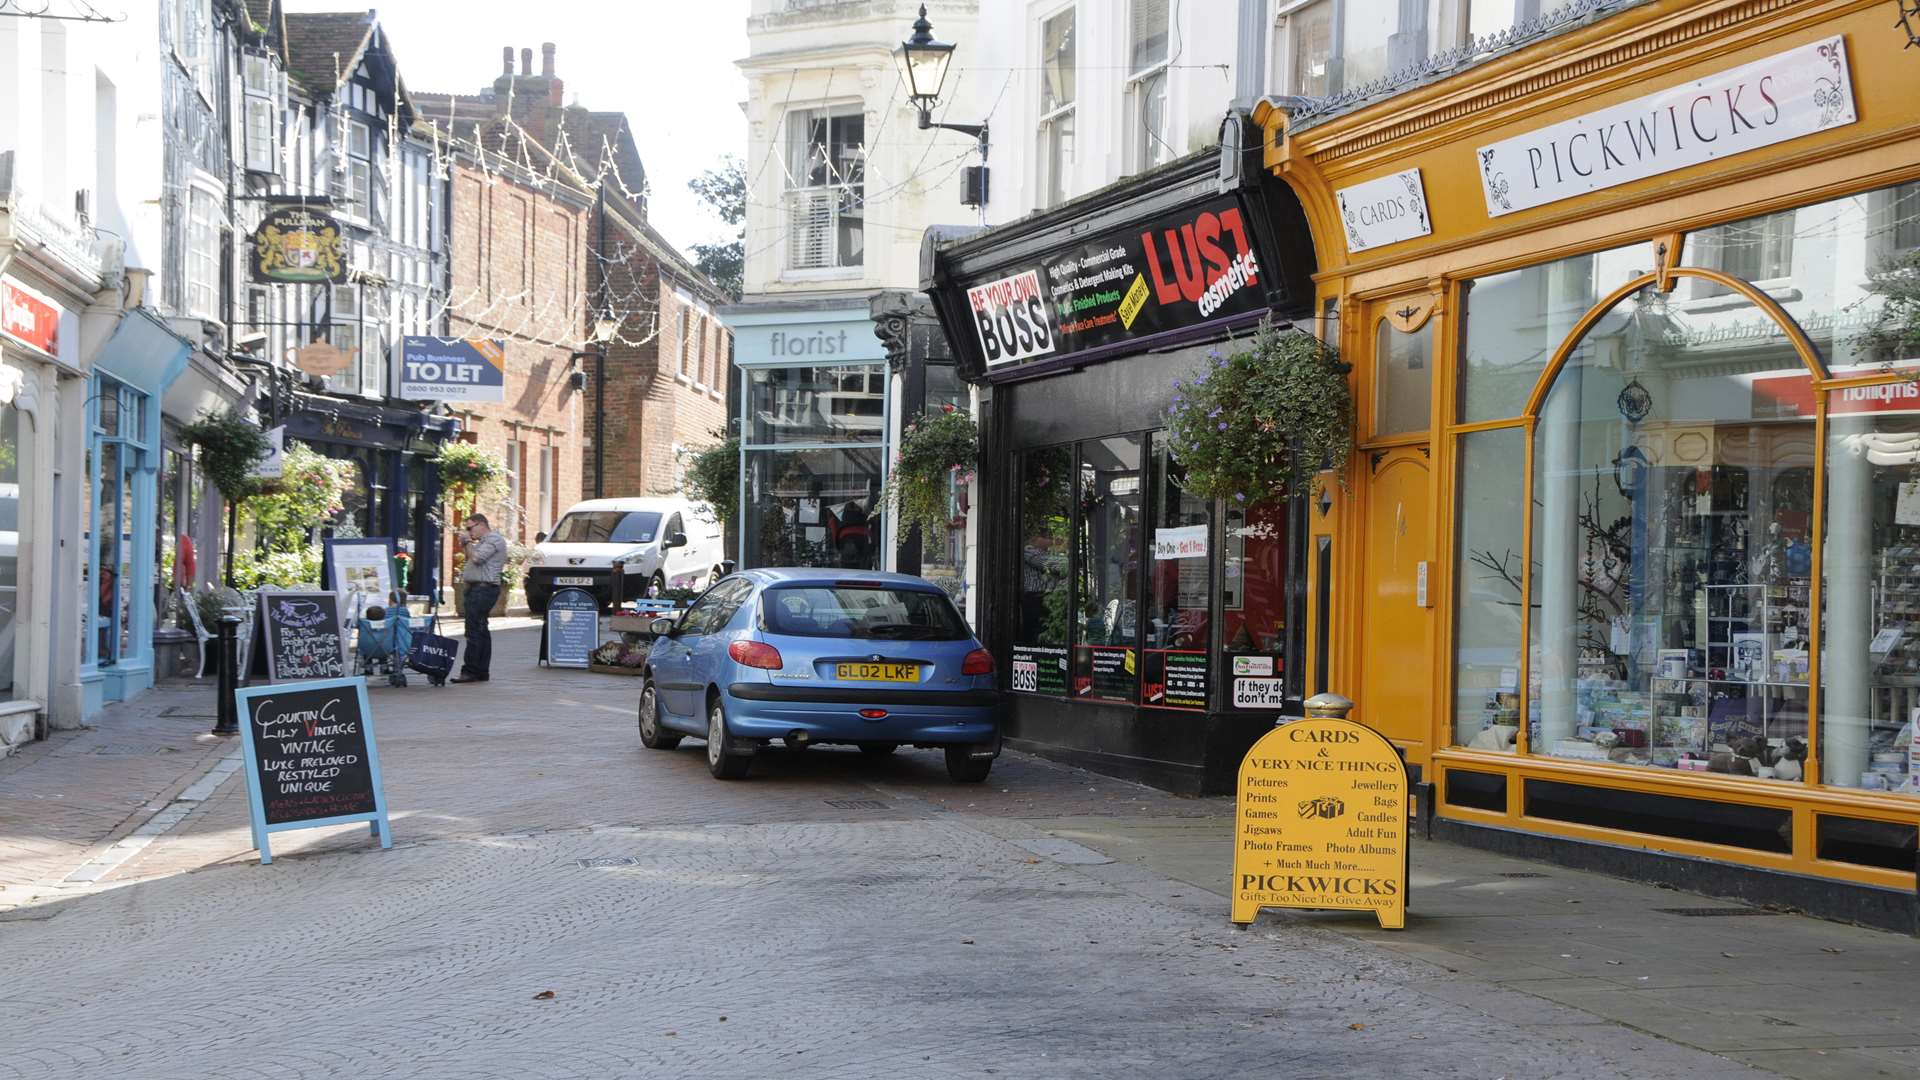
(840,403)
(1870,673)
(826,185)
(1489,562)
(1403,379)
(1512,322)
(1180,587)
(1147,34)
(813,507)
(1039,653)
(1673,515)
(1057,77)
(1254,604)
(1827,265)
(1107,527)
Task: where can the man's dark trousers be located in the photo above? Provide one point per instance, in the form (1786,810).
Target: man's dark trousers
(479,655)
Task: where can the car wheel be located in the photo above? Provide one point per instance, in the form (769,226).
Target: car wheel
(964,768)
(878,749)
(656,585)
(723,760)
(652,735)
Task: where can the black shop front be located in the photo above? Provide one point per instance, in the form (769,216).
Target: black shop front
(1139,630)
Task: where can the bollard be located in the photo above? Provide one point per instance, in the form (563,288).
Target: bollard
(1330,706)
(226,720)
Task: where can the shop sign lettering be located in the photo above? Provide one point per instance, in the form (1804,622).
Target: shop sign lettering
(1790,95)
(1321,821)
(462,369)
(29,317)
(1259,693)
(295,245)
(1184,269)
(1039,669)
(1384,211)
(1011,319)
(1253,665)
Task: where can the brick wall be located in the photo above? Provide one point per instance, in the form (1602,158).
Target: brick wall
(519,260)
(651,405)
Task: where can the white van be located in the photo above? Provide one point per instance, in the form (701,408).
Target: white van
(663,543)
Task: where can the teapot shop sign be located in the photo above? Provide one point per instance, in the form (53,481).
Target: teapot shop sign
(296,245)
(1321,822)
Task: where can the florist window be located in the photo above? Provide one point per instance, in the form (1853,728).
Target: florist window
(1180,587)
(1039,653)
(814,507)
(1673,518)
(1107,538)
(835,403)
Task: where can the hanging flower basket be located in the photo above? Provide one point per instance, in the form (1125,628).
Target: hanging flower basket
(1261,423)
(937,451)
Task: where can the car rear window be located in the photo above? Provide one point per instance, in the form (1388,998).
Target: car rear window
(844,610)
(606,527)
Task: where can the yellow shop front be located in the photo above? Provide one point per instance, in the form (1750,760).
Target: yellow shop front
(1628,561)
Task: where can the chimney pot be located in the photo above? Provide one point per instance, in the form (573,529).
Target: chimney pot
(546,59)
(526,62)
(506,60)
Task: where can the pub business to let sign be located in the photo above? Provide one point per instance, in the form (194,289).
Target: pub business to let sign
(1786,96)
(1189,267)
(462,369)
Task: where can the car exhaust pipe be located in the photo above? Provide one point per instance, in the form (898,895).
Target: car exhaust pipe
(797,736)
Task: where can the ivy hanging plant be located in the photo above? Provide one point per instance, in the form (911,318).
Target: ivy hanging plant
(1261,423)
(467,473)
(936,450)
(229,446)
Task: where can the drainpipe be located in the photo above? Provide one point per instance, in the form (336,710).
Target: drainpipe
(600,357)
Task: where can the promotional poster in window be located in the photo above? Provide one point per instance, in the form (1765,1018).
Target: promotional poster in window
(1180,270)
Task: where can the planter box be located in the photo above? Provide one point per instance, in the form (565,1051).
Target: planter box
(615,669)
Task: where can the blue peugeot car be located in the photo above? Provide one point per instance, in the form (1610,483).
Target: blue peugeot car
(821,656)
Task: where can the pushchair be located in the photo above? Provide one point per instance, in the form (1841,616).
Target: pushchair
(384,642)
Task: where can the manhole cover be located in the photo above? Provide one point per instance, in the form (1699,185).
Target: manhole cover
(856,804)
(133,748)
(1704,912)
(1522,874)
(608,860)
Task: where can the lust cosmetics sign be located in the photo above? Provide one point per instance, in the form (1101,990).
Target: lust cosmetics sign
(1786,96)
(29,316)
(1186,268)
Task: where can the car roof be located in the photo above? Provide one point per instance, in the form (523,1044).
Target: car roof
(786,575)
(659,504)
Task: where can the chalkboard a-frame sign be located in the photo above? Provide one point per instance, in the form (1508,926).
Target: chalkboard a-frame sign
(311,758)
(301,635)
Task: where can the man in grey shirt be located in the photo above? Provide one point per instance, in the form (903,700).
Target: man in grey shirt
(486,557)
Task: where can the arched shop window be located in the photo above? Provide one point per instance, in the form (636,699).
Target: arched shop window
(1701,552)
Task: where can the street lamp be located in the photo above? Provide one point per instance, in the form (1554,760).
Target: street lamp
(923,64)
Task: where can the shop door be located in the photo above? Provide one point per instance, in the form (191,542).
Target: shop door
(1396,653)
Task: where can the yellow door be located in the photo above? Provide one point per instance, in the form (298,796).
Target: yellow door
(1396,651)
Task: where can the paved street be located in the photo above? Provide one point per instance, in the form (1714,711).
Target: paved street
(832,916)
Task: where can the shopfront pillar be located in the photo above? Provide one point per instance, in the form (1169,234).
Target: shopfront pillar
(1845,655)
(1556,581)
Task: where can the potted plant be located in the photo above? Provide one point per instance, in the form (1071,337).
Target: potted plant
(1260,424)
(226,447)
(938,451)
(468,474)
(712,476)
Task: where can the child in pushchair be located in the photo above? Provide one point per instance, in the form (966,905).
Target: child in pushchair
(384,643)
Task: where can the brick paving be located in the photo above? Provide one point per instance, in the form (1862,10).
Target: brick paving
(849,917)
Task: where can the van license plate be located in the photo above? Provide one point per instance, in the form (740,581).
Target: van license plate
(573,581)
(878,672)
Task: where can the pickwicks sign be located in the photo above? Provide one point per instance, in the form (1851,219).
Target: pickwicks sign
(1321,822)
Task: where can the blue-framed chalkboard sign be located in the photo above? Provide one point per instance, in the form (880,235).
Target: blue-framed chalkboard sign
(311,758)
(573,627)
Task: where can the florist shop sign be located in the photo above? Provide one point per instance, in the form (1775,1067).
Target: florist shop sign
(296,245)
(1183,269)
(1788,95)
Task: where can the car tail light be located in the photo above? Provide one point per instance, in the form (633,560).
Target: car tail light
(978,662)
(874,714)
(756,654)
